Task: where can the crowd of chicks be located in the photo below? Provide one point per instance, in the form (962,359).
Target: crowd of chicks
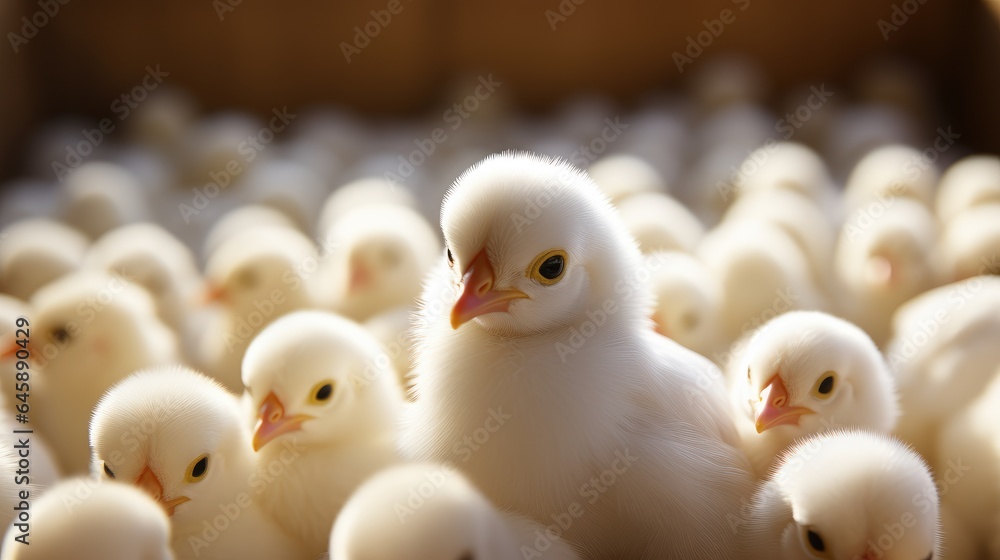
(679,333)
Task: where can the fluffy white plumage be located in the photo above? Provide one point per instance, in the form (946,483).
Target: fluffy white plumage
(240,219)
(376,259)
(620,176)
(257,275)
(788,166)
(448,519)
(944,353)
(89,330)
(803,373)
(560,409)
(846,495)
(762,271)
(970,243)
(361,193)
(180,436)
(320,385)
(881,263)
(969,182)
(79,518)
(36,252)
(660,223)
(392,330)
(688,301)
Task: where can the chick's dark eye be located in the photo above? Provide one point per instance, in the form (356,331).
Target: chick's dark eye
(552,268)
(108,471)
(451,259)
(826,385)
(60,335)
(324,392)
(199,468)
(816,541)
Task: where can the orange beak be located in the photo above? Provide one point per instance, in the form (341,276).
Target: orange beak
(478,296)
(272,422)
(776,411)
(8,347)
(361,276)
(879,270)
(148,482)
(212,294)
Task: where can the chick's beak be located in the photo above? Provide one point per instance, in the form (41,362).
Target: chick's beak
(148,482)
(8,347)
(273,422)
(213,293)
(478,295)
(776,410)
(361,276)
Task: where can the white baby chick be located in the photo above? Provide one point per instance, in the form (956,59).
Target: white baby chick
(621,175)
(803,373)
(883,261)
(801,218)
(241,219)
(660,223)
(319,384)
(688,301)
(943,353)
(179,436)
(846,495)
(512,379)
(763,273)
(788,166)
(89,330)
(969,182)
(376,260)
(36,252)
(79,518)
(151,257)
(970,244)
(432,512)
(360,193)
(968,467)
(888,172)
(102,196)
(256,275)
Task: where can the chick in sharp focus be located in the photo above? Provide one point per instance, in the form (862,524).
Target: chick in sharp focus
(101,196)
(763,273)
(376,258)
(82,519)
(180,436)
(688,301)
(454,522)
(254,277)
(89,330)
(846,495)
(969,182)
(512,305)
(660,223)
(968,465)
(943,353)
(36,252)
(803,373)
(319,384)
(883,261)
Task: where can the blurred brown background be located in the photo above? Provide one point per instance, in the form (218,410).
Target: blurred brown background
(262,55)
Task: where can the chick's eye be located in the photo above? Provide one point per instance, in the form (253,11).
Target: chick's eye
(814,541)
(548,267)
(197,469)
(689,320)
(322,391)
(60,335)
(825,386)
(451,258)
(108,471)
